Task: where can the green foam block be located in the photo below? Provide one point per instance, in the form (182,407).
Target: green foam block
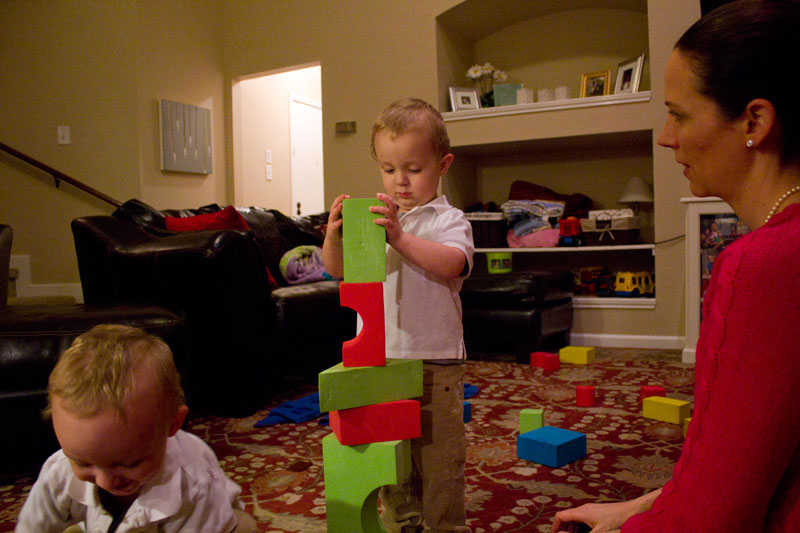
(363,241)
(530,419)
(344,388)
(353,475)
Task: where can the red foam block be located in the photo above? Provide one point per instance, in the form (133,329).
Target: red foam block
(368,348)
(584,396)
(380,422)
(651,390)
(537,357)
(549,361)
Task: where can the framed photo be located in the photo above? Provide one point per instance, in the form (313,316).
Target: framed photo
(463,98)
(596,83)
(629,74)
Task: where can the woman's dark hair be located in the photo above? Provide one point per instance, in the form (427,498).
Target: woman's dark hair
(739,52)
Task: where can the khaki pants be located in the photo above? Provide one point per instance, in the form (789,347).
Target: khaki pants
(434,495)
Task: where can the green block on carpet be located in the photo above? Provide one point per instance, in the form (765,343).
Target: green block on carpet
(344,388)
(363,241)
(530,419)
(353,476)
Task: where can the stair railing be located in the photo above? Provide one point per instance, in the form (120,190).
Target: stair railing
(58,177)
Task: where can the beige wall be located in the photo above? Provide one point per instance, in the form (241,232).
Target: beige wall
(371,53)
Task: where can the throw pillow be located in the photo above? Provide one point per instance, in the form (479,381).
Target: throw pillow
(228,218)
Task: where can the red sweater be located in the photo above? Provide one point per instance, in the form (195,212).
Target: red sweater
(739,469)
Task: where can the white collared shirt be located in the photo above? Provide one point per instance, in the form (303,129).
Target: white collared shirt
(423,311)
(190,493)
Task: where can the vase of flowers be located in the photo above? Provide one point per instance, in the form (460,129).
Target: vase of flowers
(484,77)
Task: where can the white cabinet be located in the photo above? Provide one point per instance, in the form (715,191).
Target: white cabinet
(710,226)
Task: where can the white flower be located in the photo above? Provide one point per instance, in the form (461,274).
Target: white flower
(499,76)
(475,72)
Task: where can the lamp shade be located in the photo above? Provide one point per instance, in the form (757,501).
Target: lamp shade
(636,190)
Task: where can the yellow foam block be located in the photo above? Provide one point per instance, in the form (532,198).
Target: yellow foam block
(576,355)
(665,409)
(686,426)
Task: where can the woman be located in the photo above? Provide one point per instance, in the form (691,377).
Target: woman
(733,125)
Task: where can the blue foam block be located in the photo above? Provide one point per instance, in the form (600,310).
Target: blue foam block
(551,446)
(467,412)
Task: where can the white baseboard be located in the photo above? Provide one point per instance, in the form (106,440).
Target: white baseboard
(603,340)
(27,289)
(688,355)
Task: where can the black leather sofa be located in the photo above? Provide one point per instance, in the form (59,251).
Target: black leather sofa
(243,334)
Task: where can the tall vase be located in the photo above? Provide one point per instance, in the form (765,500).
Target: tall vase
(485,86)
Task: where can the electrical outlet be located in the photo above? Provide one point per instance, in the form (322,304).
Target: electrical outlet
(63,134)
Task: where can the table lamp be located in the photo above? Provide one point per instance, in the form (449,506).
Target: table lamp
(636,191)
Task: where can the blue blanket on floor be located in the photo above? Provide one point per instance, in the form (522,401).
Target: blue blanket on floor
(307,408)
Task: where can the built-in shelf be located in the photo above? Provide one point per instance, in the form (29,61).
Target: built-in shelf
(553,105)
(557,249)
(600,302)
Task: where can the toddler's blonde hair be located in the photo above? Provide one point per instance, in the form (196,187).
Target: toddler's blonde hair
(106,364)
(407,114)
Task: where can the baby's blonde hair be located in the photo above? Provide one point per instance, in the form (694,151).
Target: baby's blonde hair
(410,113)
(106,364)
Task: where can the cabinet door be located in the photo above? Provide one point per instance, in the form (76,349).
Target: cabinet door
(711,225)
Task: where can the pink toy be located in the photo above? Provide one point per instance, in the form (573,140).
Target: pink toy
(651,390)
(380,422)
(584,395)
(369,346)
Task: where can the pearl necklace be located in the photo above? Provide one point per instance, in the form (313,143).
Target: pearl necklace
(780,201)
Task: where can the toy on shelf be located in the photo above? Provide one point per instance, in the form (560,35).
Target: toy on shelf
(586,280)
(634,284)
(604,285)
(569,232)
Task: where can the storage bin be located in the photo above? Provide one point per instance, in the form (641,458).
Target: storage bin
(488,229)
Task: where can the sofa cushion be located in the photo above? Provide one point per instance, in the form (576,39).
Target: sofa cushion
(228,218)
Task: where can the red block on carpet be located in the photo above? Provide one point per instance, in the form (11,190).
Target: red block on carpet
(651,390)
(368,348)
(549,361)
(584,396)
(537,358)
(379,422)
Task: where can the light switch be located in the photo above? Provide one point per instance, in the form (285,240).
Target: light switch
(268,156)
(63,134)
(269,172)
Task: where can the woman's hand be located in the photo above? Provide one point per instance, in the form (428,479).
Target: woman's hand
(601,517)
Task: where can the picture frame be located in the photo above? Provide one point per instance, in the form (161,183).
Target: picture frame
(629,74)
(596,83)
(464,98)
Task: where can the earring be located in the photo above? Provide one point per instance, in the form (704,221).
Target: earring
(750,143)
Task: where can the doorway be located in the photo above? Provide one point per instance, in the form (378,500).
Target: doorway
(264,170)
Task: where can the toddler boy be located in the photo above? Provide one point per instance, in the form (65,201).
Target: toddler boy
(429,253)
(125,465)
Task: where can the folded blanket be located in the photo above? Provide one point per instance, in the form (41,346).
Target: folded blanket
(303,264)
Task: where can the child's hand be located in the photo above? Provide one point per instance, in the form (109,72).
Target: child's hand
(335,217)
(390,220)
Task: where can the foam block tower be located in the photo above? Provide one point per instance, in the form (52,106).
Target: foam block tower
(368,396)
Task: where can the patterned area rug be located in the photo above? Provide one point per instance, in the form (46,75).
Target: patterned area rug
(280,467)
